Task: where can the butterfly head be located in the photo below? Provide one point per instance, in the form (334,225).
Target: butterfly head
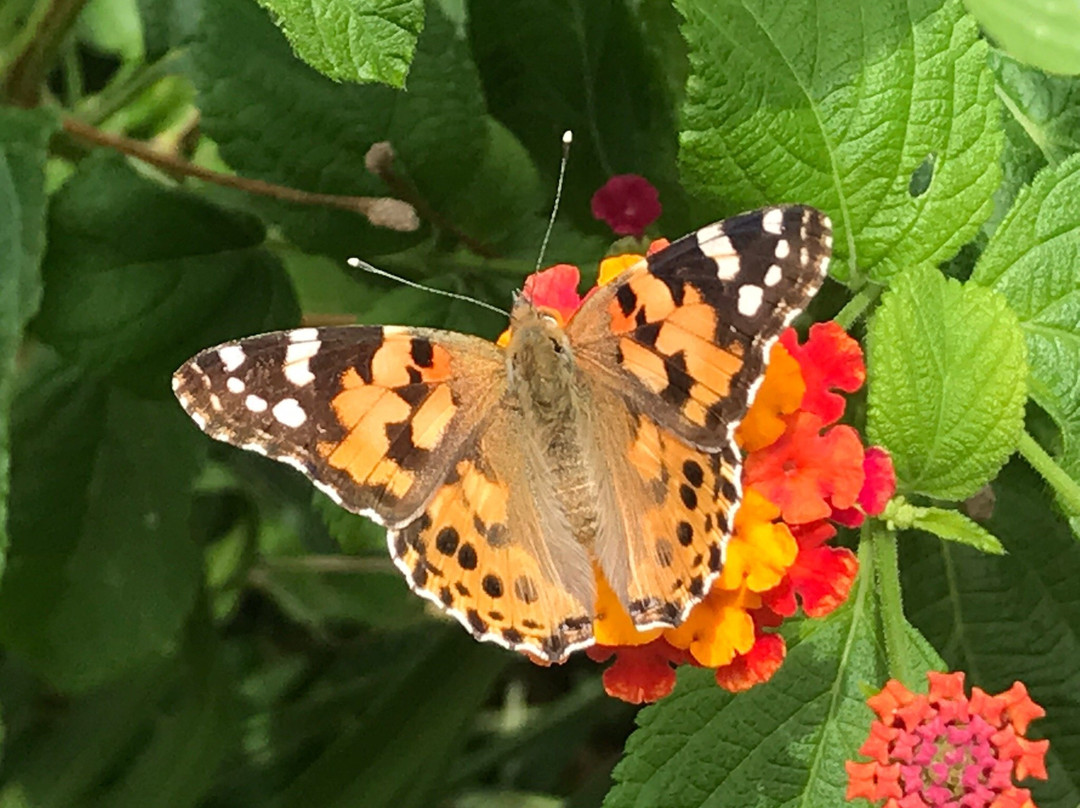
(539,353)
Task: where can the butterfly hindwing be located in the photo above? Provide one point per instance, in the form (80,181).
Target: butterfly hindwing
(491,551)
(374,415)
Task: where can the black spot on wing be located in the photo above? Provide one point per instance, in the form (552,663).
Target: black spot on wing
(421,352)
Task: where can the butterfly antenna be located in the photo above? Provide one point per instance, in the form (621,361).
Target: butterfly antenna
(567,139)
(366,267)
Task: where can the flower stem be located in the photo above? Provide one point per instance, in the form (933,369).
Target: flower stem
(380,211)
(1067,489)
(882,542)
(857,306)
(37,49)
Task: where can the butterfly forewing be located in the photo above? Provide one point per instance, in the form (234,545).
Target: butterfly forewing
(374,415)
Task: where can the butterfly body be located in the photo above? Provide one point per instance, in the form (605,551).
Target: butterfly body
(508,476)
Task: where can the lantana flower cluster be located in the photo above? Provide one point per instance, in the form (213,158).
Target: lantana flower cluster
(803,472)
(947,750)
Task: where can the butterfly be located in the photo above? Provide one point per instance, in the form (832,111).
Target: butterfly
(506,476)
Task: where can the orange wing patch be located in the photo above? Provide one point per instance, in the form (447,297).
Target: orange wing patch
(689,499)
(464,553)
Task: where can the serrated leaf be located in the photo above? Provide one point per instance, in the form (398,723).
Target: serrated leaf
(780,744)
(139,277)
(1042,125)
(353,40)
(943,523)
(24,136)
(103,570)
(1012,617)
(837,105)
(1043,33)
(1032,260)
(301,129)
(946,387)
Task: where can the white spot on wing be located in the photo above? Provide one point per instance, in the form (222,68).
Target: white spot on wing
(257,448)
(749,300)
(199,420)
(727,269)
(256,404)
(175,383)
(783,249)
(303,334)
(234,385)
(773,276)
(215,402)
(289,412)
(232,357)
(710,232)
(718,247)
(773,221)
(296,361)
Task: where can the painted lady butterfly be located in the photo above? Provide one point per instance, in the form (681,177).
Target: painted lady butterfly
(505,475)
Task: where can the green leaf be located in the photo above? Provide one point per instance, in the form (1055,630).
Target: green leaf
(113,26)
(1032,260)
(782,743)
(947,383)
(838,105)
(584,65)
(167,24)
(24,136)
(322,591)
(91,736)
(1043,33)
(300,129)
(1042,123)
(1012,617)
(943,523)
(424,714)
(155,738)
(353,40)
(139,277)
(102,569)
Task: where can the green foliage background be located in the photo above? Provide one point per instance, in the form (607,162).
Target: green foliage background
(183,624)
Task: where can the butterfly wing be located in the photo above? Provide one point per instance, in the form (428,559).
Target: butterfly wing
(682,339)
(494,550)
(409,427)
(374,415)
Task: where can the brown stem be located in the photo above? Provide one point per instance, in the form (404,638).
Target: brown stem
(26,76)
(380,211)
(330,563)
(379,161)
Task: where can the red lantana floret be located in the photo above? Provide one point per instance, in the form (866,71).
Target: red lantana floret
(628,203)
(945,750)
(830,360)
(640,673)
